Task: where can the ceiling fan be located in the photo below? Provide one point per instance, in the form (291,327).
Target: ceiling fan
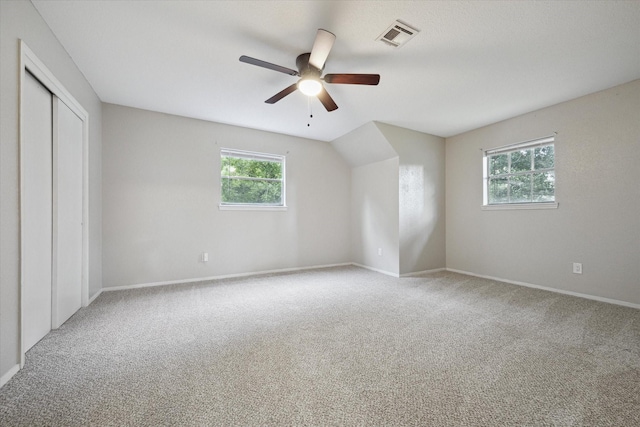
(310,67)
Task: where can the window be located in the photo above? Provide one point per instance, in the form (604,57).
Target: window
(251,180)
(520,174)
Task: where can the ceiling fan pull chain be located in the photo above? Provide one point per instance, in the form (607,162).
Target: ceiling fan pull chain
(310,111)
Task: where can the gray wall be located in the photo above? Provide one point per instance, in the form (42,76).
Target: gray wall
(20,20)
(598,219)
(421,198)
(374,215)
(161,190)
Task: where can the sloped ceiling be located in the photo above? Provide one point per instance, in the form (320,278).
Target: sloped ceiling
(364,146)
(472,64)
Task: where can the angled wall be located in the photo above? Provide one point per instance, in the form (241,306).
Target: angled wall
(374,197)
(397,191)
(421,198)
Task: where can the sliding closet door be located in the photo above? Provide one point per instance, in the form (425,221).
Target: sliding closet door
(36,203)
(67,212)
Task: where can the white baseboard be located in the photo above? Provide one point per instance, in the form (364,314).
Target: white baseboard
(418,273)
(93,298)
(377,270)
(6,377)
(226,276)
(546,288)
(388,273)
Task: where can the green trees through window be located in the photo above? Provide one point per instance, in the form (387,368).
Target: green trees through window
(251,178)
(522,174)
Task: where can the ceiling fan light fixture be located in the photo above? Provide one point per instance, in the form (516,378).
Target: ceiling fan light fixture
(310,86)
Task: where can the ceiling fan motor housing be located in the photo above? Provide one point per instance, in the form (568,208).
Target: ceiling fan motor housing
(306,69)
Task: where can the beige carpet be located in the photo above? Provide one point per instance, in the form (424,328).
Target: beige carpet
(339,346)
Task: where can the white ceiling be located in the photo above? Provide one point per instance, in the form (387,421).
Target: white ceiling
(473,63)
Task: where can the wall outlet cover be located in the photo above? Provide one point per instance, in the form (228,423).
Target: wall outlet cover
(577,268)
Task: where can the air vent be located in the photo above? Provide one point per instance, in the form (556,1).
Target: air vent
(398,34)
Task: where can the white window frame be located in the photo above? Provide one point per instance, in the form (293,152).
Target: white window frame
(255,156)
(539,142)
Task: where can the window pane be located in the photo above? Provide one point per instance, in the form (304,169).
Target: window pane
(520,188)
(236,166)
(224,166)
(498,190)
(544,185)
(544,157)
(251,191)
(498,164)
(521,161)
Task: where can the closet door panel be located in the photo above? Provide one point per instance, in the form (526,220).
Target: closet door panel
(36,202)
(67,148)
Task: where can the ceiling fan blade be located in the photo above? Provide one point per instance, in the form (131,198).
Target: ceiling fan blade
(353,79)
(278,96)
(327,101)
(321,48)
(264,64)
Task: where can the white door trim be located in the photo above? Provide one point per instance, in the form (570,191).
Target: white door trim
(29,61)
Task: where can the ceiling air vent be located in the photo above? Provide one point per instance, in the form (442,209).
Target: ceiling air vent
(398,34)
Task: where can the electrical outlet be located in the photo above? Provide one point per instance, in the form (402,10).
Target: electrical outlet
(205,257)
(380,251)
(577,268)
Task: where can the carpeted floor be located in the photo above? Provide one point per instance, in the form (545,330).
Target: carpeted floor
(339,346)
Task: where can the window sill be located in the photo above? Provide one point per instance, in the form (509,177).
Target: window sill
(251,208)
(517,206)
